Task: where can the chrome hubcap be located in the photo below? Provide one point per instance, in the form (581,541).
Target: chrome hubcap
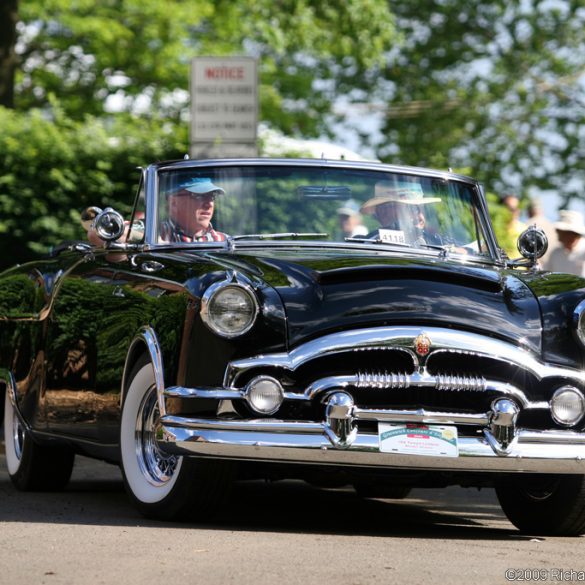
(156,466)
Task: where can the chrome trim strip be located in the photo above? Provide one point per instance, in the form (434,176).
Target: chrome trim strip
(331,383)
(260,425)
(218,393)
(317,447)
(402,338)
(424,380)
(147,335)
(421,415)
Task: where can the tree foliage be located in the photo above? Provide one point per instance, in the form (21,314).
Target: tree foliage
(493,86)
(139,51)
(52,169)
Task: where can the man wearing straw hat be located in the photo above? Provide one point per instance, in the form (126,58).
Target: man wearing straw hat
(569,255)
(399,209)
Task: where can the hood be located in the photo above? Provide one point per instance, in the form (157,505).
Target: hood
(326,291)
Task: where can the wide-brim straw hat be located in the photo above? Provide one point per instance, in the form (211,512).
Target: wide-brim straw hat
(398,195)
(570,221)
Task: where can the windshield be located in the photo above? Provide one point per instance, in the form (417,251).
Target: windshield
(329,204)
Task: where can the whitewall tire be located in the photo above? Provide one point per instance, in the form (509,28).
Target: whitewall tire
(32,466)
(164,486)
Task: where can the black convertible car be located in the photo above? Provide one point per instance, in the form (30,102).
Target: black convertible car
(234,327)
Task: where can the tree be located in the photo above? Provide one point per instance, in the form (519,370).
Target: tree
(8,19)
(496,87)
(89,53)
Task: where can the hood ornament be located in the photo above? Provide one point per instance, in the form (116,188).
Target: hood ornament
(422,344)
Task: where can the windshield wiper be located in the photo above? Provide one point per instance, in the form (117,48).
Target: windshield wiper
(442,249)
(281,236)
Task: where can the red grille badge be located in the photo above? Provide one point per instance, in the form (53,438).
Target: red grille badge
(422,344)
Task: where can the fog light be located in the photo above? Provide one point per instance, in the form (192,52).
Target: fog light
(264,394)
(567,406)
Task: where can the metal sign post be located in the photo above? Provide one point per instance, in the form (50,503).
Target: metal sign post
(224,107)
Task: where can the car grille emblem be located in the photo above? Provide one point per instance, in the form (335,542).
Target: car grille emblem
(422,344)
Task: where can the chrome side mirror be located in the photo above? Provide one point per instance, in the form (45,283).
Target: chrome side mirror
(532,243)
(108,224)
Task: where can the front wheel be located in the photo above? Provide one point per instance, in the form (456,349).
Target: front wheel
(553,505)
(31,466)
(164,486)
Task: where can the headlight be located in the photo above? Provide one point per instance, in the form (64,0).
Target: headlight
(567,406)
(579,323)
(229,309)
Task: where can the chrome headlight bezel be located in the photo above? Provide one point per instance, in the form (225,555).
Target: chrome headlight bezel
(211,295)
(579,323)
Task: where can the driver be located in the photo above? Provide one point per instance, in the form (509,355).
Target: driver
(190,210)
(400,213)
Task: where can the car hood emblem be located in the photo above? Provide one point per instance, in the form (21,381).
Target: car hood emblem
(422,344)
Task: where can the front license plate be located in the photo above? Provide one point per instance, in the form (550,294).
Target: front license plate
(417,439)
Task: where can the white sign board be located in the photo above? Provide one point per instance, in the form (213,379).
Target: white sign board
(224,101)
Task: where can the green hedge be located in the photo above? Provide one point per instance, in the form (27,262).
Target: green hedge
(52,168)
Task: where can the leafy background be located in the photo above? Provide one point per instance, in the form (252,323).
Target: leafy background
(89,91)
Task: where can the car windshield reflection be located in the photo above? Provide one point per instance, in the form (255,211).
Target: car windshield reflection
(345,205)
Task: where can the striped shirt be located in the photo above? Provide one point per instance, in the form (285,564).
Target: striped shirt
(171,232)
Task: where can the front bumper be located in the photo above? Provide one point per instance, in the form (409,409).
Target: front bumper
(489,439)
(315,443)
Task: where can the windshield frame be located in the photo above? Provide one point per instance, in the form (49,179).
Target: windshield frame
(152,201)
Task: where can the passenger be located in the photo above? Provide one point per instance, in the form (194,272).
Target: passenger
(400,213)
(350,220)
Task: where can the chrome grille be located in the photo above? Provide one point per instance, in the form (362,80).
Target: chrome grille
(454,382)
(400,380)
(382,380)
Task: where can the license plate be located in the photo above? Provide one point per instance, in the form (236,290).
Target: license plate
(418,439)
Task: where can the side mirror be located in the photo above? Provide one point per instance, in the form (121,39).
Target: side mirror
(532,243)
(108,224)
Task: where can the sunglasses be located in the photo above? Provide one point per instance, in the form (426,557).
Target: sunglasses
(211,196)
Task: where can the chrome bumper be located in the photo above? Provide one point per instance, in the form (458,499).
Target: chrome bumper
(315,443)
(495,442)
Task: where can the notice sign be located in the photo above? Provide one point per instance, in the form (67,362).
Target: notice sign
(224,100)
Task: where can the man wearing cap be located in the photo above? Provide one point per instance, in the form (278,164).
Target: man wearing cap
(569,255)
(190,208)
(399,209)
(350,220)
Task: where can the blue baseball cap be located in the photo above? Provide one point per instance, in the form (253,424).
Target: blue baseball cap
(200,186)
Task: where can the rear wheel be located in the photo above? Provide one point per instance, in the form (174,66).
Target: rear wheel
(33,467)
(164,486)
(552,505)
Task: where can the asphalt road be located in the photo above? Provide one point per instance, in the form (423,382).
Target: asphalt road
(279,533)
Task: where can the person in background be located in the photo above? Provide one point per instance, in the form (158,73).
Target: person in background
(350,220)
(536,217)
(514,227)
(569,254)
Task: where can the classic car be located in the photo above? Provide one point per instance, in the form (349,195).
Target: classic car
(409,353)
